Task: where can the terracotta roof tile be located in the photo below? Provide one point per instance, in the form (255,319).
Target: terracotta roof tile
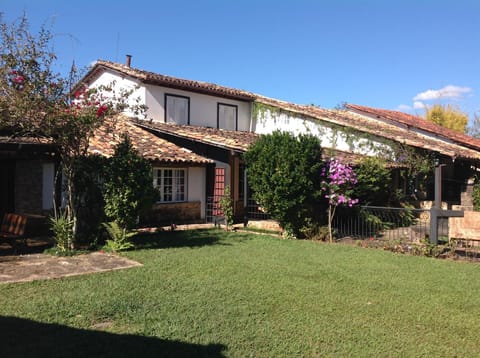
(232,140)
(418,122)
(379,122)
(449,143)
(148,145)
(168,81)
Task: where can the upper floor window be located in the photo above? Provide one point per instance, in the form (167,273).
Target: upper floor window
(227,116)
(170,183)
(177,109)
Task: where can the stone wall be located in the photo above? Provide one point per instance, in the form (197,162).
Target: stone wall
(466,196)
(172,213)
(264,225)
(28,186)
(467,227)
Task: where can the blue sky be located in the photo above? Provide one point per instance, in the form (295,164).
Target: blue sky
(398,54)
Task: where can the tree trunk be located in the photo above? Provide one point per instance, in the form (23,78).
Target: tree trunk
(331,214)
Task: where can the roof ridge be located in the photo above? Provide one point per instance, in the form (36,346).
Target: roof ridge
(149,76)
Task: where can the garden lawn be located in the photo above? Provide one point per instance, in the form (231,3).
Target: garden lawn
(213,294)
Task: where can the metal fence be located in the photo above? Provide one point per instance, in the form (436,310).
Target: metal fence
(388,223)
(213,211)
(366,222)
(255,211)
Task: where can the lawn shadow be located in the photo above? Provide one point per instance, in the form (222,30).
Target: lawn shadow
(26,338)
(180,238)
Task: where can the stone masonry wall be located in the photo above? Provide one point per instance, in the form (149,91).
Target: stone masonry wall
(466,196)
(172,213)
(467,227)
(28,187)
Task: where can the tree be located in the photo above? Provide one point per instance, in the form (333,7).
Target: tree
(447,116)
(37,101)
(284,174)
(337,183)
(416,167)
(31,92)
(128,186)
(474,129)
(373,182)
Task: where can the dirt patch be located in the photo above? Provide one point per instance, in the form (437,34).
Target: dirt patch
(41,267)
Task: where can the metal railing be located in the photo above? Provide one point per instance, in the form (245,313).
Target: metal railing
(366,222)
(213,211)
(255,211)
(387,223)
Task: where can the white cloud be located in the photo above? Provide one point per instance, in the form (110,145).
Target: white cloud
(404,107)
(419,105)
(447,92)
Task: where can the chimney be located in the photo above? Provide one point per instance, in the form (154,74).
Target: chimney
(129,60)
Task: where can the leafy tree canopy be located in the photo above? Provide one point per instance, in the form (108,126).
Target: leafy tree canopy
(31,92)
(37,101)
(447,116)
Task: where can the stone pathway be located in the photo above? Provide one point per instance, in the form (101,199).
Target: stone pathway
(40,266)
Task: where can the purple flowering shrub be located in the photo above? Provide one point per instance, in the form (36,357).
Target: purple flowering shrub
(338,182)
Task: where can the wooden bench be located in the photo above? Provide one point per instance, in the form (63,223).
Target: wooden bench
(13,229)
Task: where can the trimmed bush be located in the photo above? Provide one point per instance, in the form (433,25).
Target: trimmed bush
(284,174)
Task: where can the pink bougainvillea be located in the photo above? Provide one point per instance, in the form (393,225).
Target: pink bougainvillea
(338,182)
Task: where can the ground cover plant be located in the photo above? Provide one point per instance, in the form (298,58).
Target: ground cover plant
(214,293)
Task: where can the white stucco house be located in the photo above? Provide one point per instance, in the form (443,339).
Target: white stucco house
(212,121)
(219,123)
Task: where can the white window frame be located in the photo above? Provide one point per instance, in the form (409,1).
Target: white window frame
(164,177)
(177,109)
(222,121)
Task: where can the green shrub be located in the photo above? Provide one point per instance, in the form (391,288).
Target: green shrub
(315,231)
(407,217)
(128,187)
(373,185)
(284,174)
(227,207)
(62,228)
(119,237)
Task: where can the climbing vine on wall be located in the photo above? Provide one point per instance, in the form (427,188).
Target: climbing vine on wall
(415,165)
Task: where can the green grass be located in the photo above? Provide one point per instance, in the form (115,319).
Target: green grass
(214,294)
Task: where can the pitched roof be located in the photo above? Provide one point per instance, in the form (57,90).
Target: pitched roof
(167,81)
(411,121)
(148,145)
(436,138)
(397,126)
(231,140)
